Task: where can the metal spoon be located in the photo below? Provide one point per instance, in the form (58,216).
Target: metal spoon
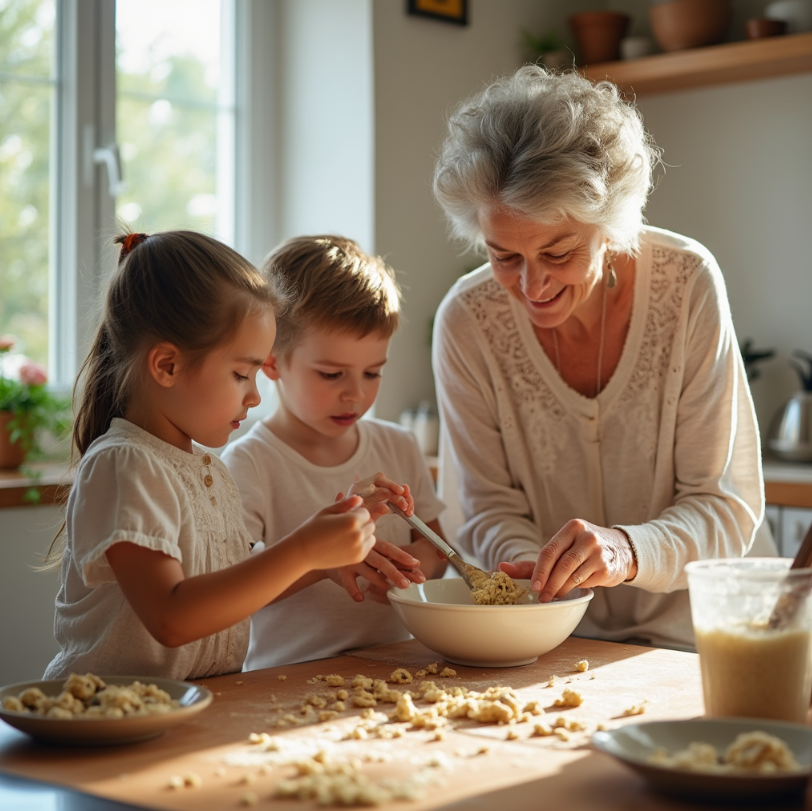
(792,601)
(466,570)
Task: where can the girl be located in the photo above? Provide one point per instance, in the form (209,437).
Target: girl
(156,577)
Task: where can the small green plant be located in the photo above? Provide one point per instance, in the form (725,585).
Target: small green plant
(752,356)
(804,371)
(544,43)
(23,394)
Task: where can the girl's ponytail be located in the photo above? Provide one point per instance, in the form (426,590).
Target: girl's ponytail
(101,392)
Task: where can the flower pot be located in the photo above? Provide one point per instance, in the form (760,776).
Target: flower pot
(760,27)
(682,24)
(11,455)
(598,34)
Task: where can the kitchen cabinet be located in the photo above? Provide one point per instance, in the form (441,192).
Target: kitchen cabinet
(795,521)
(788,491)
(705,67)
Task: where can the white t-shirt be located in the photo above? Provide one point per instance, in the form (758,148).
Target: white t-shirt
(132,486)
(669,450)
(280,490)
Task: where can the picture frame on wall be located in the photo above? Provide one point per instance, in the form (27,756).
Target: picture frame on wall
(449,11)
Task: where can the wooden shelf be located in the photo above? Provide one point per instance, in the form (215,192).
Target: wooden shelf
(52,484)
(705,67)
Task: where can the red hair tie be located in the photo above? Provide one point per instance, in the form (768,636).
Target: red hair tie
(129,242)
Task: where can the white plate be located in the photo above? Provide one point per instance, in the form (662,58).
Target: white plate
(103,731)
(635,743)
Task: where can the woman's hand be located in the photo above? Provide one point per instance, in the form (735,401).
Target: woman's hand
(377,490)
(581,555)
(385,565)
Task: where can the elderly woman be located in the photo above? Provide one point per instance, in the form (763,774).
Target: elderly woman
(599,422)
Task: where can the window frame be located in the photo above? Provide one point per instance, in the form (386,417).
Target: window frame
(83,211)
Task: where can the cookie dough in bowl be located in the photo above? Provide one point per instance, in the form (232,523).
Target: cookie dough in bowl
(443,616)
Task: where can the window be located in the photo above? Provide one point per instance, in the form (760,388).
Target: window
(109,110)
(28,86)
(174,115)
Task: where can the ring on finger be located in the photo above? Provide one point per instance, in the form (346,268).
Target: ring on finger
(576,579)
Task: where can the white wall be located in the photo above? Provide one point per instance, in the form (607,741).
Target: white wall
(740,180)
(422,69)
(325,114)
(27,642)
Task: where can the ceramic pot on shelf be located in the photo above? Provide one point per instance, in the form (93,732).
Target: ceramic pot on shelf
(598,34)
(681,24)
(11,455)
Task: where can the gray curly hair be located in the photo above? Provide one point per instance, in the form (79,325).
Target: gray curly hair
(553,146)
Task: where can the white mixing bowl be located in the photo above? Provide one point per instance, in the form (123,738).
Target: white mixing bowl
(442,615)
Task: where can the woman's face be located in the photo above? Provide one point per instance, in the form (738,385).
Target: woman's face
(550,269)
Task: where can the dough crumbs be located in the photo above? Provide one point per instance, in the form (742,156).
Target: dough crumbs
(334,680)
(192,780)
(90,697)
(750,752)
(582,666)
(282,677)
(569,698)
(496,588)
(551,681)
(249,799)
(447,673)
(175,782)
(402,676)
(636,709)
(334,783)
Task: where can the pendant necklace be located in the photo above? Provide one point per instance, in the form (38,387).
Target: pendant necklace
(610,282)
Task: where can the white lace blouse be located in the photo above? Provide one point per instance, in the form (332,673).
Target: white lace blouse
(132,486)
(668,451)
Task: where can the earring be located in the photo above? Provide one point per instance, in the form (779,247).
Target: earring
(612,279)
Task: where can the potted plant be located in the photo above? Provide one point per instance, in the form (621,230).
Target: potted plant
(548,47)
(26,407)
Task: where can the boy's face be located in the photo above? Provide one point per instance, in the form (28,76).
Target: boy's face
(329,380)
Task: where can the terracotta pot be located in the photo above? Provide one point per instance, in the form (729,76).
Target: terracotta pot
(598,34)
(683,24)
(11,456)
(760,27)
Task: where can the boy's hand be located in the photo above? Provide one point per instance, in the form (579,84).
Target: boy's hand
(385,565)
(377,490)
(339,535)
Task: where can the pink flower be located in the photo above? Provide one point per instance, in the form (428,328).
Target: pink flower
(32,374)
(6,342)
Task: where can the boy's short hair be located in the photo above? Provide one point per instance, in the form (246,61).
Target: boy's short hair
(331,284)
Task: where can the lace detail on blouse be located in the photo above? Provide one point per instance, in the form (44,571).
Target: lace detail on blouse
(539,409)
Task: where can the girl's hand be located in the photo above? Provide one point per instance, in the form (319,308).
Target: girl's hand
(385,565)
(581,555)
(377,490)
(339,535)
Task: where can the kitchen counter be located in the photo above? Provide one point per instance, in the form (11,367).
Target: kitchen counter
(788,484)
(476,766)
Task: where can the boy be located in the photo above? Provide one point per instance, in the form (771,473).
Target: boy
(331,344)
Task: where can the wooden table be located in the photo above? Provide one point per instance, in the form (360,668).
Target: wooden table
(482,768)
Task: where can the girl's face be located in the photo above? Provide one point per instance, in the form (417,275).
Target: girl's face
(326,383)
(550,269)
(210,401)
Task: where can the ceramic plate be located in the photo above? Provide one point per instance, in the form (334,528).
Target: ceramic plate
(103,731)
(635,743)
